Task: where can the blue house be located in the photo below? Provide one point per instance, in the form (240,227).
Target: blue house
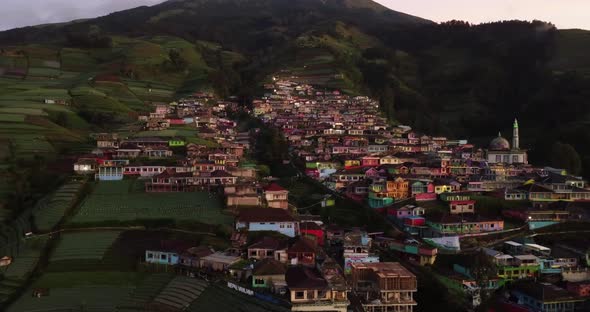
(167,253)
(112,170)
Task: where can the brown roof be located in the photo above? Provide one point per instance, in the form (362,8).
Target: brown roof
(545,291)
(303,245)
(384,269)
(309,226)
(269,266)
(304,278)
(269,243)
(170,173)
(221,174)
(264,215)
(199,251)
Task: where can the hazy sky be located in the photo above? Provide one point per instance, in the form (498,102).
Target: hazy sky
(563,13)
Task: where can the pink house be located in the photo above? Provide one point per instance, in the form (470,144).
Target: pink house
(370,161)
(176,121)
(372,173)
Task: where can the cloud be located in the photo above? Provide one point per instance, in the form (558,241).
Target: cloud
(20,13)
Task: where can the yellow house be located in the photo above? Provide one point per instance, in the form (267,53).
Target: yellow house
(443,188)
(352,163)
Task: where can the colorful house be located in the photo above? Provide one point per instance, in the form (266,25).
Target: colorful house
(398,188)
(313,231)
(466,224)
(111,170)
(266,219)
(168,253)
(352,163)
(176,143)
(370,161)
(462,206)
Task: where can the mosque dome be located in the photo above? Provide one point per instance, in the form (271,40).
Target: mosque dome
(499,143)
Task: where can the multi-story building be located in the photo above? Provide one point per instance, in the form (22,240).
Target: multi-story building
(545,297)
(309,291)
(384,286)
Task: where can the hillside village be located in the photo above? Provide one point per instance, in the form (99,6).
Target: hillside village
(191,164)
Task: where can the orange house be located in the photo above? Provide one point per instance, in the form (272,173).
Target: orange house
(398,188)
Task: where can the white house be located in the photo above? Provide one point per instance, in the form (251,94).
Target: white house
(267,219)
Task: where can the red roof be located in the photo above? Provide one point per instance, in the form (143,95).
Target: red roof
(273,187)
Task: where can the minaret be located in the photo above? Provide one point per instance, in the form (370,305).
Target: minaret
(515,141)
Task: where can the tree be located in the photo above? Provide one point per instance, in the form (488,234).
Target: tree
(62,119)
(263,170)
(565,156)
(483,270)
(177,60)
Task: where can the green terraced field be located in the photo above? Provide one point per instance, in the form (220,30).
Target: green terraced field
(23,111)
(12,118)
(117,201)
(91,298)
(43,72)
(147,290)
(81,279)
(27,258)
(217,297)
(83,245)
(48,214)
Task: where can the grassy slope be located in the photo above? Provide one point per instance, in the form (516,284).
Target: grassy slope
(121,80)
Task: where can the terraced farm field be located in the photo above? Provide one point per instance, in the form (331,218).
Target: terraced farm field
(47,214)
(87,298)
(83,246)
(124,201)
(149,288)
(25,259)
(217,297)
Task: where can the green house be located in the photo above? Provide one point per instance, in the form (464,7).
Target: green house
(176,142)
(510,273)
(379,200)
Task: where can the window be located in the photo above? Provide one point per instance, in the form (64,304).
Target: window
(163,257)
(299,295)
(150,255)
(289,226)
(259,281)
(498,158)
(515,158)
(269,253)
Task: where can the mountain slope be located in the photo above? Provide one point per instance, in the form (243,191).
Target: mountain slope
(451,79)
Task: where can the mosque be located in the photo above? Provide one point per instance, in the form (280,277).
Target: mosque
(500,150)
